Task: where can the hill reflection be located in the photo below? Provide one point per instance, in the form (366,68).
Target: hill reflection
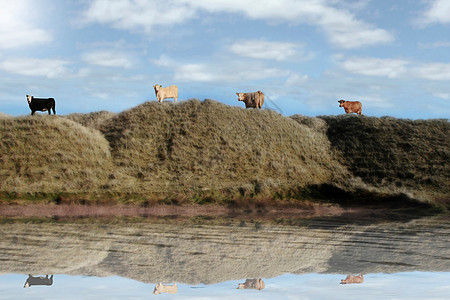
(194,254)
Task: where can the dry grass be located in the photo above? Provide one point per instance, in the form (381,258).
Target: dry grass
(209,146)
(207,152)
(43,154)
(4,116)
(91,120)
(395,154)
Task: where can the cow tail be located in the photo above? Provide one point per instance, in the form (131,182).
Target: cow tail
(277,108)
(54,106)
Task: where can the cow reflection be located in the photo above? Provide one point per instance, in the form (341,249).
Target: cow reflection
(256,284)
(170,289)
(353,279)
(38,280)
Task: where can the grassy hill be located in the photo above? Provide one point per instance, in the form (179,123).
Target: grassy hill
(207,147)
(204,151)
(395,154)
(4,116)
(91,120)
(49,154)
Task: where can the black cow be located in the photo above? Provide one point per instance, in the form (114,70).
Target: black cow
(41,104)
(38,280)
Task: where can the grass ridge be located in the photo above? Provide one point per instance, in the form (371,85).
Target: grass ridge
(208,152)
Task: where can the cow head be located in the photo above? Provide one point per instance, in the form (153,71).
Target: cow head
(241,96)
(157,87)
(158,289)
(341,103)
(29,98)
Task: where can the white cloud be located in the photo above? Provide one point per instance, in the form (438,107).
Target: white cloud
(108,58)
(198,72)
(434,45)
(397,68)
(265,50)
(433,71)
(340,25)
(392,68)
(137,15)
(16,25)
(225,71)
(438,12)
(50,68)
(296,79)
(445,96)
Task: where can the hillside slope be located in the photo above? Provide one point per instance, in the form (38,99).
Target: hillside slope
(395,154)
(204,151)
(50,154)
(209,146)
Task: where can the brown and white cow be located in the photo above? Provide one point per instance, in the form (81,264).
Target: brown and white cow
(38,280)
(167,92)
(353,279)
(161,288)
(256,284)
(351,106)
(252,100)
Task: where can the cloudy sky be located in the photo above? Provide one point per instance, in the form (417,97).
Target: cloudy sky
(93,55)
(400,286)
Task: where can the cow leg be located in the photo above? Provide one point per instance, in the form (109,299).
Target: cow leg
(49,110)
(32,112)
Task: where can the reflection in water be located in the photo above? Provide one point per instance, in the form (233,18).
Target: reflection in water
(256,284)
(169,289)
(39,280)
(353,279)
(191,254)
(400,286)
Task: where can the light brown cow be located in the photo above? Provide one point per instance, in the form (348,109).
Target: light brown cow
(256,284)
(353,279)
(38,280)
(351,106)
(167,92)
(252,100)
(161,288)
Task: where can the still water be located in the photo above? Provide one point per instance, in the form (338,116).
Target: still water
(127,259)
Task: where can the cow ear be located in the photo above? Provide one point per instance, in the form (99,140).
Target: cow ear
(237,94)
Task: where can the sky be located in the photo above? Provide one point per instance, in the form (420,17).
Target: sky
(305,55)
(407,285)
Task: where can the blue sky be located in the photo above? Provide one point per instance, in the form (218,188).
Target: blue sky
(305,55)
(408,286)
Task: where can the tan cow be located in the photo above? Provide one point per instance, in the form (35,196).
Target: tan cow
(161,288)
(38,280)
(167,92)
(353,279)
(252,100)
(351,106)
(256,284)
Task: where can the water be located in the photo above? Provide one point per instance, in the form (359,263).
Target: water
(126,258)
